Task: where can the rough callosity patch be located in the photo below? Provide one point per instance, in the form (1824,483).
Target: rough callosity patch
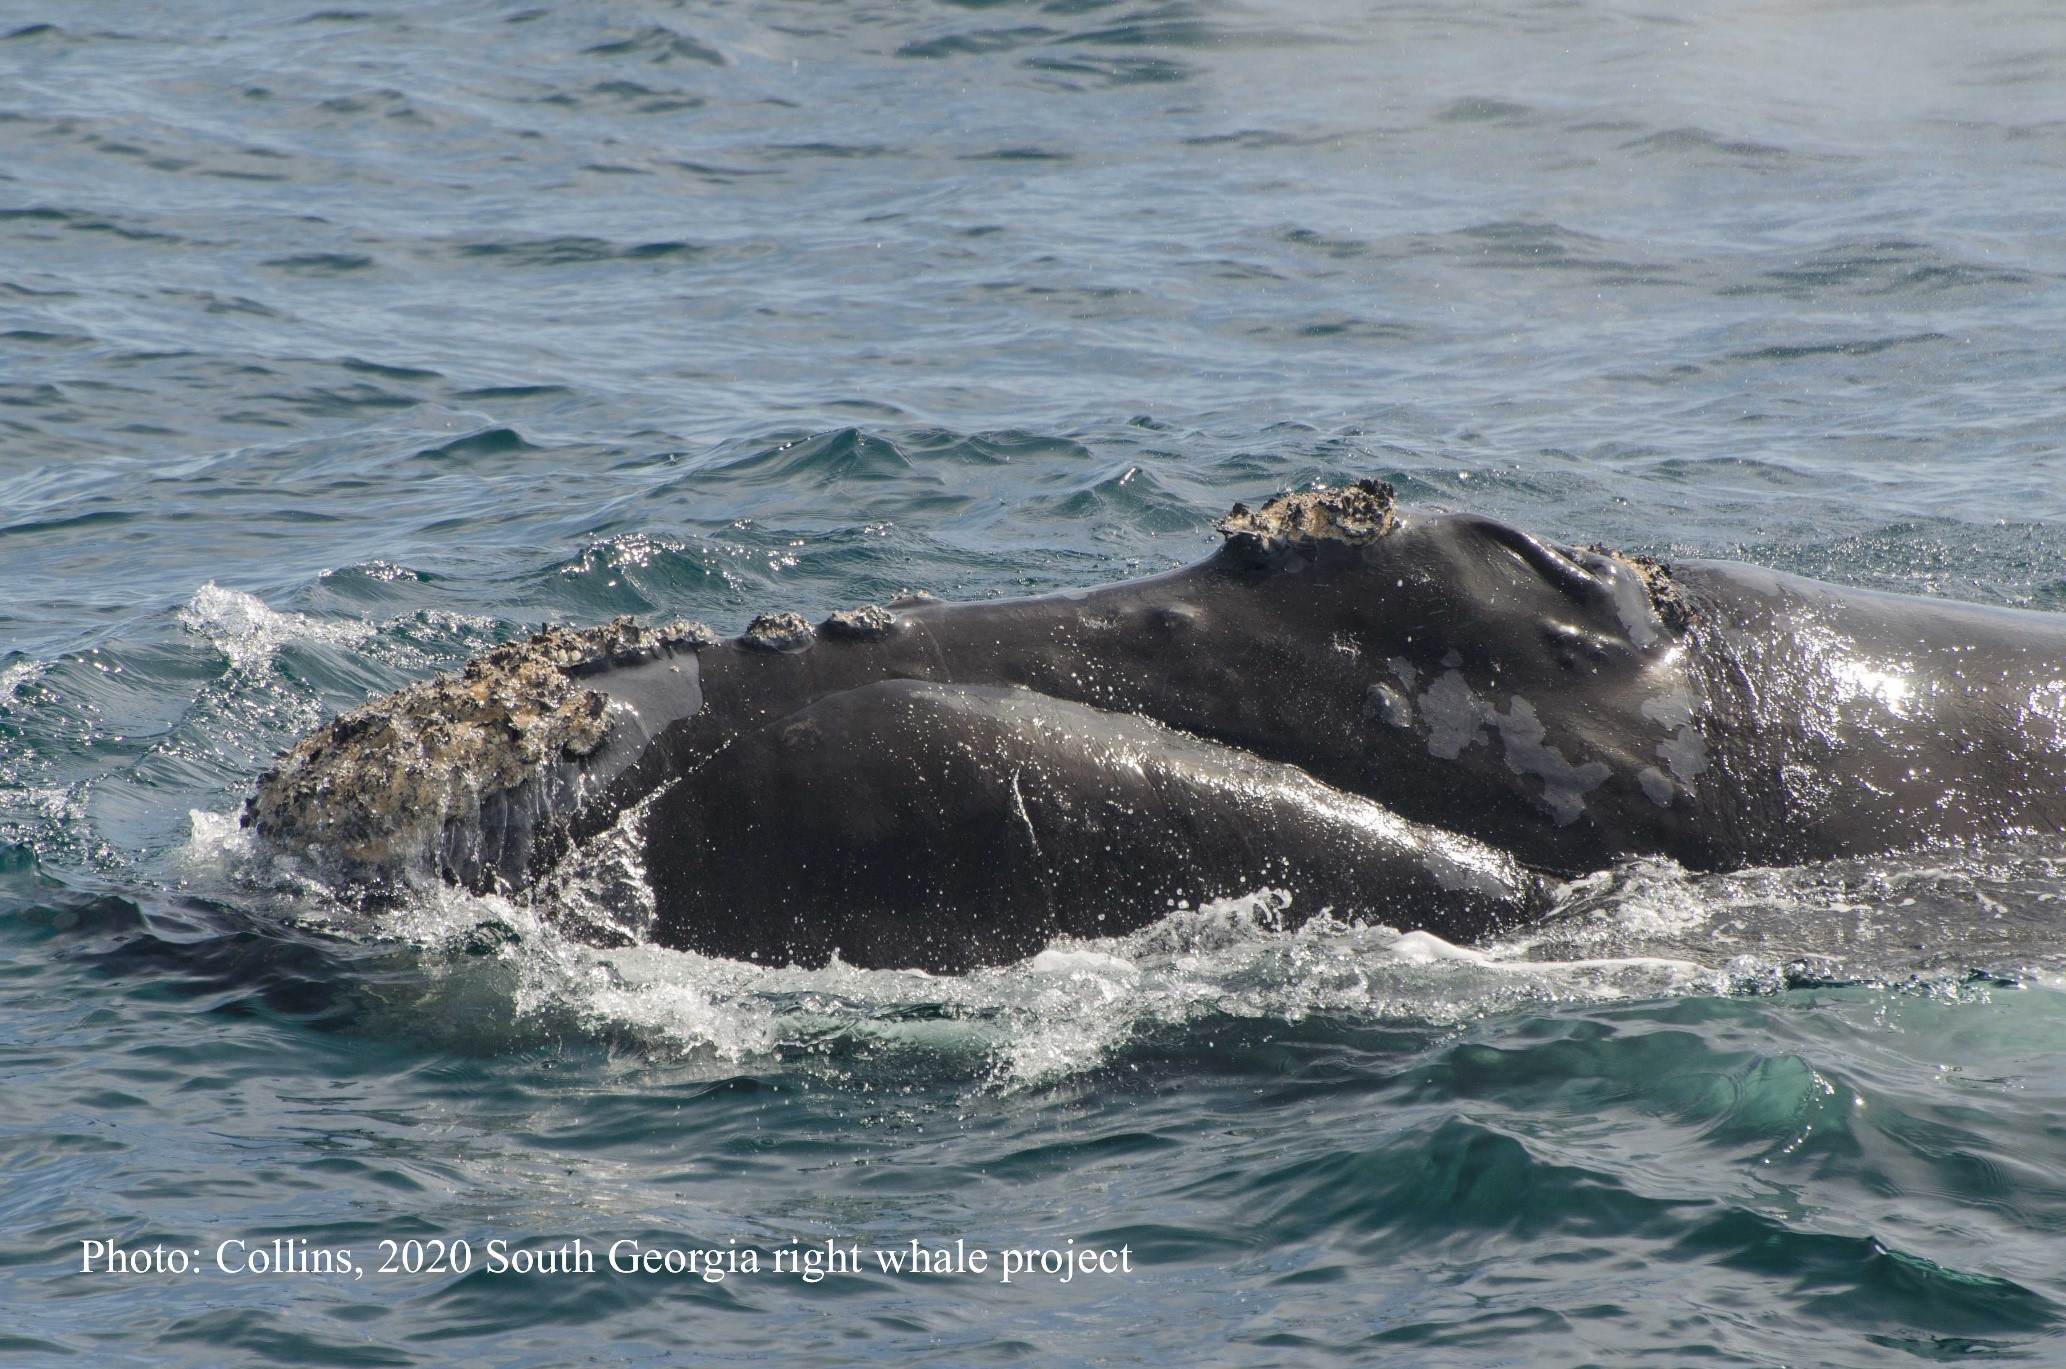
(682,632)
(1673,608)
(778,632)
(1676,611)
(864,623)
(375,787)
(1300,522)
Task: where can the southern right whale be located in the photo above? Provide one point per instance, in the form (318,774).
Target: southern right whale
(1419,718)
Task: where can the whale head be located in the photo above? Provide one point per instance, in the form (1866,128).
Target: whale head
(1466,671)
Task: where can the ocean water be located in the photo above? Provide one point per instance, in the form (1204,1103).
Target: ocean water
(339,343)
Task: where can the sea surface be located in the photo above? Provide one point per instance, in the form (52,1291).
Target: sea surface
(339,343)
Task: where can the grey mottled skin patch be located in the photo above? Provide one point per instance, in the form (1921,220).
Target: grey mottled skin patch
(1564,785)
(1684,753)
(866,623)
(778,632)
(1656,784)
(1456,716)
(374,788)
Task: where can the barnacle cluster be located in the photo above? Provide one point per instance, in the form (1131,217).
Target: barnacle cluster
(1301,522)
(377,785)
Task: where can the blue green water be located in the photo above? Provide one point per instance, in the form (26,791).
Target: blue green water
(337,344)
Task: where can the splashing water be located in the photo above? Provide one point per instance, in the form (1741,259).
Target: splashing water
(249,633)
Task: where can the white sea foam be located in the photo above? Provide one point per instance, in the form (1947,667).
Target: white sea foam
(248,631)
(216,840)
(20,673)
(1074,1007)
(1647,929)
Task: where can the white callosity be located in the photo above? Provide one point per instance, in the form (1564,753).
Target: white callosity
(375,788)
(1296,527)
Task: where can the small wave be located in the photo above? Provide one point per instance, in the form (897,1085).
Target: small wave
(18,673)
(1840,347)
(1480,110)
(840,455)
(1694,143)
(659,44)
(977,41)
(320,263)
(246,630)
(1093,73)
(572,250)
(491,443)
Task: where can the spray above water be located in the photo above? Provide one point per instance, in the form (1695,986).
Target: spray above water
(249,631)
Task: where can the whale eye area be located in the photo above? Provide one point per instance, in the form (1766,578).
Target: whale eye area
(1172,617)
(1637,594)
(1574,648)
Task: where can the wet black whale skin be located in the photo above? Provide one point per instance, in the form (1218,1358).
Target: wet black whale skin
(1456,672)
(903,823)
